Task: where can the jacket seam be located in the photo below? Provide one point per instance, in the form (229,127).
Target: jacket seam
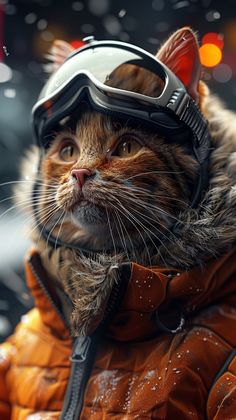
(214,332)
(13,404)
(14,364)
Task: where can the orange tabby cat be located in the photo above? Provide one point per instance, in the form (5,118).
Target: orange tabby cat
(124,191)
(138,186)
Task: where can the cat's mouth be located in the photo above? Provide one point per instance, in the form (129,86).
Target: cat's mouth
(95,220)
(86,210)
(91,216)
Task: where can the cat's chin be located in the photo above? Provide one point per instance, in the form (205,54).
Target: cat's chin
(94,227)
(91,237)
(90,229)
(91,218)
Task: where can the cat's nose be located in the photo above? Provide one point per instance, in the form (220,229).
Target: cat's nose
(80,175)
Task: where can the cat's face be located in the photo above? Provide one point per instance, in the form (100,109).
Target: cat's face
(134,187)
(117,185)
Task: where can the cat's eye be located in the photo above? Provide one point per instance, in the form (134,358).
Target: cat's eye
(127,148)
(69,152)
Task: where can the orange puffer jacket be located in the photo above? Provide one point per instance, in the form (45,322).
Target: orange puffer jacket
(140,370)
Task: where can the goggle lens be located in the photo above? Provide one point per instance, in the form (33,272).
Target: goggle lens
(121,69)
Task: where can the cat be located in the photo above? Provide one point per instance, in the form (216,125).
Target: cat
(134,201)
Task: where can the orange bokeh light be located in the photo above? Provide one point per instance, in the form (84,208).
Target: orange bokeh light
(210,55)
(213,38)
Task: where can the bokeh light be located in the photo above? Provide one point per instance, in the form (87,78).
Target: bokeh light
(112,25)
(213,15)
(47,36)
(213,38)
(10,9)
(30,18)
(162,26)
(124,36)
(9,93)
(222,73)
(210,55)
(158,5)
(122,13)
(5,73)
(42,24)
(87,28)
(98,8)
(77,6)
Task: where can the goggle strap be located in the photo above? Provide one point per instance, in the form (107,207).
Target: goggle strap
(191,115)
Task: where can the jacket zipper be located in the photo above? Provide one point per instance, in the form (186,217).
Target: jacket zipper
(82,362)
(75,390)
(83,353)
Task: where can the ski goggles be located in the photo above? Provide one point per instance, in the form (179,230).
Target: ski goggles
(125,81)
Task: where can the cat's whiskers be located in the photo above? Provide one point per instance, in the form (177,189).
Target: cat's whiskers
(138,203)
(127,216)
(52,229)
(155,227)
(127,233)
(154,172)
(41,198)
(26,220)
(145,228)
(28,181)
(149,219)
(27,204)
(141,204)
(40,203)
(135,221)
(14,197)
(37,220)
(110,228)
(144,205)
(121,233)
(40,222)
(148,206)
(145,192)
(156,221)
(14,207)
(59,231)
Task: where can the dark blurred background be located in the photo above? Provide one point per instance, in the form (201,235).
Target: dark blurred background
(27,30)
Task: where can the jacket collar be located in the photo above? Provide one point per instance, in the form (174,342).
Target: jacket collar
(46,298)
(154,298)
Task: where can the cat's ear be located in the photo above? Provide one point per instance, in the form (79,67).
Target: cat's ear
(58,53)
(181,54)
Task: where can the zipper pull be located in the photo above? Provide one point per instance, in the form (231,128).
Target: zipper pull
(80,349)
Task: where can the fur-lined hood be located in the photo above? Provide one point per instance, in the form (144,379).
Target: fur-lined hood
(210,230)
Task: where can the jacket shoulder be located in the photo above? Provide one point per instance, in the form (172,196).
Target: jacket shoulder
(34,343)
(33,359)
